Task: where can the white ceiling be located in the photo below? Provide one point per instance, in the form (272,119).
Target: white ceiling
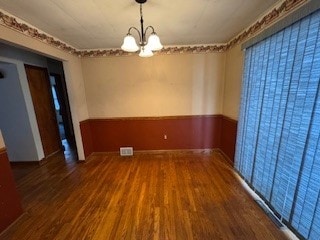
(99,24)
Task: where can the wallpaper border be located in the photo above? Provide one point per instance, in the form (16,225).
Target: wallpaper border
(275,14)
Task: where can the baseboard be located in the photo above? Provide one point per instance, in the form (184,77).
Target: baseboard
(11,224)
(174,151)
(43,161)
(255,197)
(25,163)
(47,158)
(3,150)
(40,162)
(205,150)
(230,162)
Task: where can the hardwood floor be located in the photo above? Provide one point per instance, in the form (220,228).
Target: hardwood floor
(177,195)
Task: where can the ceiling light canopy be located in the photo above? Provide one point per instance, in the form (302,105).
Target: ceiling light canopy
(146,47)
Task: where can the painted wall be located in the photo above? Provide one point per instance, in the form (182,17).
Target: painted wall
(189,88)
(73,74)
(2,145)
(24,56)
(19,57)
(233,80)
(164,85)
(14,120)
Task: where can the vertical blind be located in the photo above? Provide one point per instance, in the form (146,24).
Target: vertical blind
(278,143)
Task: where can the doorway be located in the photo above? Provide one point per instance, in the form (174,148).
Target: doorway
(42,101)
(50,100)
(63,115)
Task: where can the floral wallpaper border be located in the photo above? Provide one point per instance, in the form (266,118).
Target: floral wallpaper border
(284,8)
(275,14)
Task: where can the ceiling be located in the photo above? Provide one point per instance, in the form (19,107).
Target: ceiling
(102,24)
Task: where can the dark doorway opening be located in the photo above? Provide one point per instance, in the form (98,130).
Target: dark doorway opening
(63,115)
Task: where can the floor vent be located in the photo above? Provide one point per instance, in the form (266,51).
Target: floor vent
(269,213)
(126,151)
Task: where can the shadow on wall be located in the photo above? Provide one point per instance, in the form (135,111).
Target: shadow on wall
(207,84)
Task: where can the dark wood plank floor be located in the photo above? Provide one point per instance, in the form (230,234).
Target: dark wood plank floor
(177,195)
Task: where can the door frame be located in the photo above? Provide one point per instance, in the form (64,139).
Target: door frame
(47,79)
(63,98)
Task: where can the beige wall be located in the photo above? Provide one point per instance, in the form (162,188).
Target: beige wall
(2,145)
(233,79)
(73,72)
(164,85)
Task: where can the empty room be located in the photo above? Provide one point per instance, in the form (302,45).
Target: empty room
(146,119)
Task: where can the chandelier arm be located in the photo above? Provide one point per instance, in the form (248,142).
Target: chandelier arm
(134,28)
(149,27)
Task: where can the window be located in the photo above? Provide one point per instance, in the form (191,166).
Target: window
(278,143)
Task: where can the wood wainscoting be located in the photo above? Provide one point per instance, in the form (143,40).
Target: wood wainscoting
(159,133)
(228,137)
(85,128)
(10,202)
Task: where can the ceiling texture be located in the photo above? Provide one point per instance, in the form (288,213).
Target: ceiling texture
(102,24)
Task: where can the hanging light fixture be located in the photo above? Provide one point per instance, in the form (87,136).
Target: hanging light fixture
(146,47)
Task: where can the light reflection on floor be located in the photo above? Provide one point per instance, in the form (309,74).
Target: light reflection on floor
(70,152)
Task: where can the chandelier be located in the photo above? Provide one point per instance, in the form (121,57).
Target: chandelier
(146,47)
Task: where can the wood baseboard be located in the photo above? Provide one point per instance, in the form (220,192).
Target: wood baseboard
(228,160)
(3,150)
(207,150)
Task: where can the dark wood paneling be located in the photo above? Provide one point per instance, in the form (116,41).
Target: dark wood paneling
(86,137)
(183,132)
(40,90)
(228,137)
(10,202)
